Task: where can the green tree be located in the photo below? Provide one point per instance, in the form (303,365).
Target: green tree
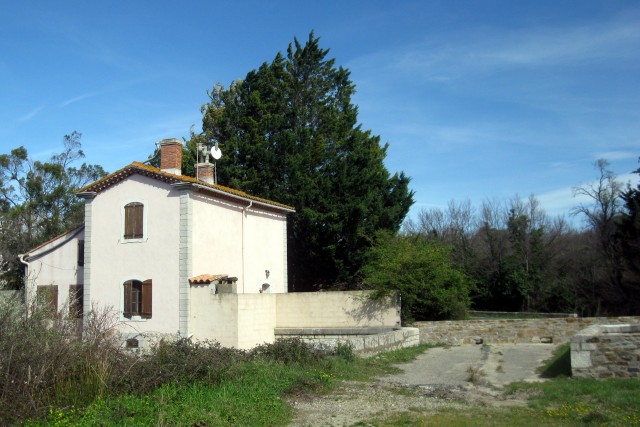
(289,133)
(37,200)
(627,237)
(422,272)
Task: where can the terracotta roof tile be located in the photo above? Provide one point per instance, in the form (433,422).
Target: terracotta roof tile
(153,172)
(208,278)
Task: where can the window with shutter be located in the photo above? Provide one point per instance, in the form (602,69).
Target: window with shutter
(134,220)
(137,299)
(80,253)
(76,298)
(145,310)
(48,297)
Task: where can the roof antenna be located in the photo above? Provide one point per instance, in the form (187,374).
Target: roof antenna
(216,153)
(203,153)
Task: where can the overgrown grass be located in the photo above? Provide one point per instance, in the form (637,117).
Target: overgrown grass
(252,397)
(474,416)
(611,401)
(50,377)
(558,402)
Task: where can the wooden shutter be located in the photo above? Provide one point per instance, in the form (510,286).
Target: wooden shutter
(127,299)
(80,253)
(76,299)
(134,221)
(48,297)
(146,299)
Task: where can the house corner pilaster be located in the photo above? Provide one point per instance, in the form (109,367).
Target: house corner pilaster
(185,259)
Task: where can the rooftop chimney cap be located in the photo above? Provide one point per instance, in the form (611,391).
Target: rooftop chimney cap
(170,141)
(171,156)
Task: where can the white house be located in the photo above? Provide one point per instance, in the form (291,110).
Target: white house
(171,254)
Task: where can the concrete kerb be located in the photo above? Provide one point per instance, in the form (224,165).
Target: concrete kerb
(364,341)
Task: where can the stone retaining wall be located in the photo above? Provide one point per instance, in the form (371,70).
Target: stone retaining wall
(556,331)
(603,351)
(363,344)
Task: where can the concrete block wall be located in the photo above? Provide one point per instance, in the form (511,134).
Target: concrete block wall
(556,330)
(256,319)
(335,310)
(246,320)
(214,316)
(604,351)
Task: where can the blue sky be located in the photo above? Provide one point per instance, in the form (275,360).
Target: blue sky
(477,99)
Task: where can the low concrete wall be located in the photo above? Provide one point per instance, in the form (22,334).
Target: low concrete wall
(363,343)
(604,351)
(335,310)
(556,331)
(246,320)
(234,320)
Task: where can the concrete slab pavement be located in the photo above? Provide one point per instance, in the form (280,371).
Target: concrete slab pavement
(495,365)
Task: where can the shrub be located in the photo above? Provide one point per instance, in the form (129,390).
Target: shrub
(422,271)
(42,362)
(291,350)
(181,361)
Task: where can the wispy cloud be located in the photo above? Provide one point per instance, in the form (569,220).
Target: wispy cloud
(77,98)
(616,155)
(30,115)
(488,49)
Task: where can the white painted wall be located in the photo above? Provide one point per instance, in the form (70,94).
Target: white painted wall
(230,238)
(217,244)
(57,267)
(256,319)
(265,245)
(115,260)
(214,316)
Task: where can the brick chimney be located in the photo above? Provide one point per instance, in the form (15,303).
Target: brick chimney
(205,172)
(171,156)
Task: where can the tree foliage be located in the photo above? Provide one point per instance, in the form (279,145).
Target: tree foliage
(289,133)
(420,269)
(37,200)
(627,241)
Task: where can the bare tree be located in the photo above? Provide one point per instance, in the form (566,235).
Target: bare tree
(605,202)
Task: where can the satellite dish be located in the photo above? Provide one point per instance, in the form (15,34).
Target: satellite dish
(215,152)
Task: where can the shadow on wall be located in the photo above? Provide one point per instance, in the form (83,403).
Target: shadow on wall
(369,310)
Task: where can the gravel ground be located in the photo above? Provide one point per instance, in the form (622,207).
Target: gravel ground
(355,402)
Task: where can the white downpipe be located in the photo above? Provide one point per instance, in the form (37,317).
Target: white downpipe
(22,259)
(244,213)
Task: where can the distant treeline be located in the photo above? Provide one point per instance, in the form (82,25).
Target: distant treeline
(519,258)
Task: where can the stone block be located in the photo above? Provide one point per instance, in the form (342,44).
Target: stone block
(580,359)
(587,346)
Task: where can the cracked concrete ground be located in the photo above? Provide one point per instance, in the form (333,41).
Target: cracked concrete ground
(494,365)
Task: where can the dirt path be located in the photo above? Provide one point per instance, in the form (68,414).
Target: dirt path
(437,379)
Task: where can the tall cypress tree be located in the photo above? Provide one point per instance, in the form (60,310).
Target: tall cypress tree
(289,132)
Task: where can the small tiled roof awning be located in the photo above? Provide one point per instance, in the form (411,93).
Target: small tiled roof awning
(205,279)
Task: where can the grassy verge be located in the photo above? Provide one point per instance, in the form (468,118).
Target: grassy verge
(252,392)
(558,402)
(253,396)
